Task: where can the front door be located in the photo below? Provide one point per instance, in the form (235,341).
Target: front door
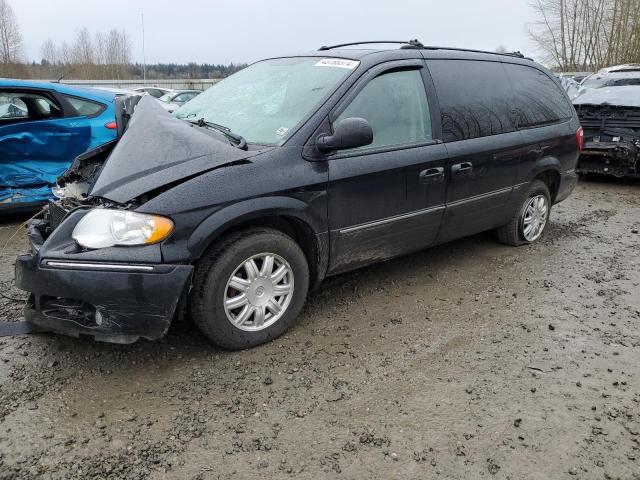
(387,198)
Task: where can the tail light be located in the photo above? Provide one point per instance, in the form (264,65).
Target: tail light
(114,126)
(580,138)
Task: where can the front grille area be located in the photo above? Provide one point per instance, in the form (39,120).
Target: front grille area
(55,214)
(69,309)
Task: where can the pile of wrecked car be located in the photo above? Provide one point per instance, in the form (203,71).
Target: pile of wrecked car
(608,106)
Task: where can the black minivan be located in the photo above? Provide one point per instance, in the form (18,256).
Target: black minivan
(291,170)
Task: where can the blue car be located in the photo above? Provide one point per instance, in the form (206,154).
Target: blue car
(43,127)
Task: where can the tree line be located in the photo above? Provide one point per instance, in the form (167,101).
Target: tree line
(101,55)
(587,34)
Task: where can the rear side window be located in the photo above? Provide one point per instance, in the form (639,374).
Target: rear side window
(86,108)
(395,105)
(538,100)
(474,98)
(46,107)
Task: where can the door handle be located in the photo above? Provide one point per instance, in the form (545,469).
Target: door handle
(462,168)
(431,175)
(538,151)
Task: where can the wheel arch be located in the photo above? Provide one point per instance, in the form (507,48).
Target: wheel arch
(287,215)
(548,170)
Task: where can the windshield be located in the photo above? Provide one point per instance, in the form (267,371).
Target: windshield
(613,79)
(265,101)
(166,97)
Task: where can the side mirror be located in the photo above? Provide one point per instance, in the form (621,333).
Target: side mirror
(351,132)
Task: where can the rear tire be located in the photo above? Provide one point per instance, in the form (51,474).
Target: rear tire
(532,214)
(249,288)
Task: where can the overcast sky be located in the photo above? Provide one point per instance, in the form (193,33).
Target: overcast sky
(223,31)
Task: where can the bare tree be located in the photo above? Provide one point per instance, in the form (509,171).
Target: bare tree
(118,56)
(587,34)
(10,39)
(100,48)
(49,52)
(83,54)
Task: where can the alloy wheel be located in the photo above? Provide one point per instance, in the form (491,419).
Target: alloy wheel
(534,217)
(258,292)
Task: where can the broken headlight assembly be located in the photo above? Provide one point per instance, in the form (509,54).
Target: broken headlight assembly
(104,227)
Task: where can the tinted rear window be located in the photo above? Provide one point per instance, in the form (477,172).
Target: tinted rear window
(537,100)
(474,98)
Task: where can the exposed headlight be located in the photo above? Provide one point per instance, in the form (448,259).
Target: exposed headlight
(102,227)
(57,191)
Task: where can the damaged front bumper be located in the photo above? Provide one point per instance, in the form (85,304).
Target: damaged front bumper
(76,292)
(619,159)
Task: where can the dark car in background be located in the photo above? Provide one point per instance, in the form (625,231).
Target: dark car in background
(291,170)
(609,110)
(43,128)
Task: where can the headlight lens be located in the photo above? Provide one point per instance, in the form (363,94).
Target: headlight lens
(103,227)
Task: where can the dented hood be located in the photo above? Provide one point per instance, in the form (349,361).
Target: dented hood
(622,96)
(158,149)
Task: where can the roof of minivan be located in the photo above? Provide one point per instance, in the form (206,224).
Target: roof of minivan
(388,54)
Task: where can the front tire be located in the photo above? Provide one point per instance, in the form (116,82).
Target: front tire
(530,219)
(249,288)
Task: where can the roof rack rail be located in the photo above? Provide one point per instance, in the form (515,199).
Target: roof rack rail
(416,44)
(456,49)
(406,44)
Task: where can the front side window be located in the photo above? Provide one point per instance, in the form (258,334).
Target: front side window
(267,101)
(27,106)
(12,107)
(395,105)
(474,98)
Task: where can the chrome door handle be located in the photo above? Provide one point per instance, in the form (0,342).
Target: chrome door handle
(431,175)
(462,168)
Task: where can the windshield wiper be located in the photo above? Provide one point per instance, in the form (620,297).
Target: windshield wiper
(239,140)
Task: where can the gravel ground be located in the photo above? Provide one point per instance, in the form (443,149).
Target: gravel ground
(468,360)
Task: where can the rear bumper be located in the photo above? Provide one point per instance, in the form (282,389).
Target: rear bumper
(114,302)
(568,181)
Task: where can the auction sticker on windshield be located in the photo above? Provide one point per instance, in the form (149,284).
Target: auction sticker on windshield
(337,62)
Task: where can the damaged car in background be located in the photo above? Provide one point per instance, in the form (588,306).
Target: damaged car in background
(43,127)
(609,111)
(291,170)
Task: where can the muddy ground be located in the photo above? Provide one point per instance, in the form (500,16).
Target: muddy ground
(469,360)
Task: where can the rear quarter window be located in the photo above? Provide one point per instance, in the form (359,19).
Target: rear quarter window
(537,100)
(85,108)
(474,98)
